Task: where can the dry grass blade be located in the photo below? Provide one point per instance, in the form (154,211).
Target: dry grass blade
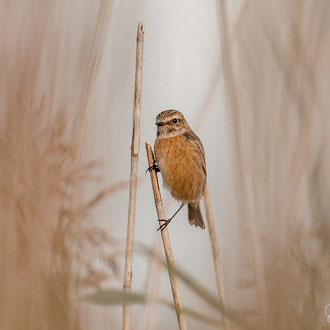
(115,297)
(236,317)
(166,241)
(135,147)
(102,194)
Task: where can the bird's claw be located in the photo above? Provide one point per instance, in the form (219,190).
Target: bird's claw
(153,167)
(163,225)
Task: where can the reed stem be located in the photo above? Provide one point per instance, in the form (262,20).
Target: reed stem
(216,254)
(135,148)
(166,241)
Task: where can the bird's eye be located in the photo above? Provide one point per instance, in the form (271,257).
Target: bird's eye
(175,120)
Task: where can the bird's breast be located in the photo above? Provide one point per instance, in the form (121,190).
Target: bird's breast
(181,166)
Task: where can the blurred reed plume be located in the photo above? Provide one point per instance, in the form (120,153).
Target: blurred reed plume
(43,238)
(46,240)
(277,76)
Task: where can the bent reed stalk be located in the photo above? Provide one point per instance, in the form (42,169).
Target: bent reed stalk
(166,241)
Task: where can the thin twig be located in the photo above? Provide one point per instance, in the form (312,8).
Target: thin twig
(166,241)
(135,147)
(216,254)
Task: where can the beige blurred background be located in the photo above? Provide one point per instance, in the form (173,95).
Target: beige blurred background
(251,78)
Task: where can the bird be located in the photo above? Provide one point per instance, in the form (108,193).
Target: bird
(180,158)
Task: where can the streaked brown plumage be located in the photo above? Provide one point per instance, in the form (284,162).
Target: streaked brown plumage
(181,160)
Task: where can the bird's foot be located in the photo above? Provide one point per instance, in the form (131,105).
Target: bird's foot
(153,167)
(163,225)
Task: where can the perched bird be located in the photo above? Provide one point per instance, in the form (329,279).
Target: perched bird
(180,158)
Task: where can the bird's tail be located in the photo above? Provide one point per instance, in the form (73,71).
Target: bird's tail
(194,215)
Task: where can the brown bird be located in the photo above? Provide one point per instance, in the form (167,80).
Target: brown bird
(180,158)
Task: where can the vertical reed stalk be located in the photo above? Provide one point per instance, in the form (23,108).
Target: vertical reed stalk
(216,254)
(246,195)
(135,147)
(166,241)
(99,38)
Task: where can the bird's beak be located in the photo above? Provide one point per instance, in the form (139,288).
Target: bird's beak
(159,124)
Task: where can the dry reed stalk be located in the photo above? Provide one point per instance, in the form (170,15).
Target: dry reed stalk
(282,81)
(246,198)
(216,254)
(103,20)
(135,147)
(166,241)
